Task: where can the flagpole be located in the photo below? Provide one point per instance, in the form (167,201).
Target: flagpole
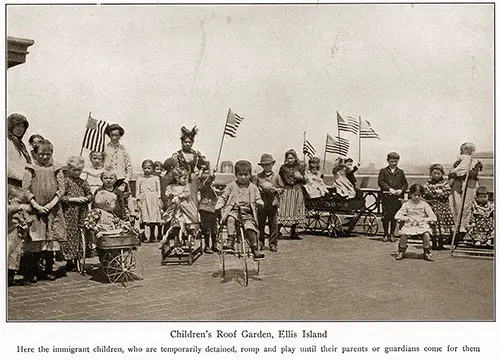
(222,141)
(324,159)
(359,140)
(303,144)
(81,150)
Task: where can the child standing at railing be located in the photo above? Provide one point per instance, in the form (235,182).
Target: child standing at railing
(417,216)
(246,196)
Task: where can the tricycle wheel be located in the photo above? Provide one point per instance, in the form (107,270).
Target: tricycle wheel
(122,268)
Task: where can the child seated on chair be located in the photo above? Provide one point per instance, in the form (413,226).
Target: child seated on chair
(181,209)
(482,223)
(417,216)
(245,195)
(102,220)
(315,187)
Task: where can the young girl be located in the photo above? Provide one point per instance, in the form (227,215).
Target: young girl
(108,179)
(44,182)
(482,223)
(315,187)
(147,191)
(343,186)
(437,193)
(416,215)
(75,207)
(93,173)
(18,223)
(181,210)
(458,186)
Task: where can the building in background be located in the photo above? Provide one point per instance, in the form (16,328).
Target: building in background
(17,50)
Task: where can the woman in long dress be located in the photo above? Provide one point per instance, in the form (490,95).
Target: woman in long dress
(18,155)
(191,161)
(292,211)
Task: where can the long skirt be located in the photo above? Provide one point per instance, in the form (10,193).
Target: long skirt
(442,210)
(292,209)
(456,203)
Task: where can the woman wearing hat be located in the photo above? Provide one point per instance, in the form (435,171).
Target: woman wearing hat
(191,160)
(292,211)
(18,155)
(268,183)
(117,158)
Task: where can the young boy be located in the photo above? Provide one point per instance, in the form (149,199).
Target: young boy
(482,224)
(246,195)
(393,184)
(206,208)
(270,191)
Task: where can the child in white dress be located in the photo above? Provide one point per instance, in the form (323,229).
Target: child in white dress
(147,192)
(417,216)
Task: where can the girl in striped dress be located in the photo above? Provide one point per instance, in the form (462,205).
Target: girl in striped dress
(292,211)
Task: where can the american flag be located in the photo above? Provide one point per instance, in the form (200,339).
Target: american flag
(233,121)
(94,135)
(367,130)
(308,149)
(337,145)
(350,125)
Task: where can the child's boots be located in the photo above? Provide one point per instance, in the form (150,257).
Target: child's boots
(428,255)
(207,249)
(229,246)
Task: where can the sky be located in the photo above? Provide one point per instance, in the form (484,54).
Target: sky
(422,75)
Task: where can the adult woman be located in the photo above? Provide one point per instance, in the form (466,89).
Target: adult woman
(18,154)
(292,211)
(464,163)
(191,160)
(437,193)
(116,157)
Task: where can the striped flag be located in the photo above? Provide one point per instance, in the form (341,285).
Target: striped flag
(350,125)
(233,121)
(367,130)
(308,149)
(94,135)
(337,145)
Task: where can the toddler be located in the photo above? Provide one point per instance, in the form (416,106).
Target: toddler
(416,215)
(482,223)
(44,182)
(18,221)
(147,192)
(108,179)
(350,170)
(93,173)
(315,187)
(246,196)
(206,208)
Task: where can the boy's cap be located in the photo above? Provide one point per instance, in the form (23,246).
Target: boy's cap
(481,190)
(266,159)
(393,155)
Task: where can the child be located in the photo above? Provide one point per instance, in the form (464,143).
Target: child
(315,187)
(44,182)
(246,195)
(350,170)
(343,186)
(108,179)
(18,223)
(181,210)
(34,139)
(482,224)
(458,174)
(416,215)
(269,186)
(75,207)
(167,179)
(93,173)
(103,222)
(159,171)
(206,208)
(147,192)
(393,184)
(437,193)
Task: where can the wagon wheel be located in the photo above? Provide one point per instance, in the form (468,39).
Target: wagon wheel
(81,253)
(334,227)
(370,224)
(122,268)
(316,222)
